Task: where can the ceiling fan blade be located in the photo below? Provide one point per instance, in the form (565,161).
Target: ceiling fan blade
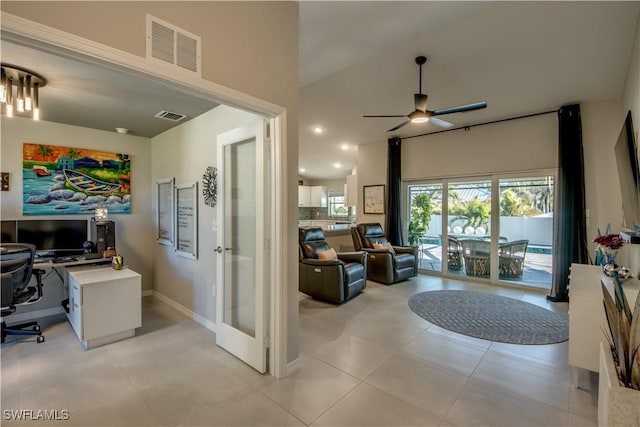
(460,108)
(439,122)
(421,101)
(403,115)
(399,126)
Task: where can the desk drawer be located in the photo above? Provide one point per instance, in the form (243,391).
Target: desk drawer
(75,307)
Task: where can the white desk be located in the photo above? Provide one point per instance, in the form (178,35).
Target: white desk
(105,305)
(48,263)
(586,313)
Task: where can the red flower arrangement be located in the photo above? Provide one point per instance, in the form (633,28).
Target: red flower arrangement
(609,241)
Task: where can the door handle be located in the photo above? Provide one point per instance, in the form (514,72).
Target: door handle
(218,249)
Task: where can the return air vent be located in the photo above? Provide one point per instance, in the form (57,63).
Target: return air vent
(172,45)
(168,115)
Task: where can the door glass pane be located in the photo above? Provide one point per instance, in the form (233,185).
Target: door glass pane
(425,224)
(240,235)
(469,227)
(526,226)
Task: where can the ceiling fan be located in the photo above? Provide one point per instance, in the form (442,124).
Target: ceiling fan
(422,115)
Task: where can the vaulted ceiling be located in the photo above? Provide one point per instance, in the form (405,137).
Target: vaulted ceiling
(357,58)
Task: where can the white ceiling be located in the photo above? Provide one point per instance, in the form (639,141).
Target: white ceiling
(92,95)
(357,58)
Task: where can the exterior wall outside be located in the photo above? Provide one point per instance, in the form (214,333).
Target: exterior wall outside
(134,231)
(248,46)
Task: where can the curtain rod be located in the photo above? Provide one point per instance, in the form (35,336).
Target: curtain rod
(467,127)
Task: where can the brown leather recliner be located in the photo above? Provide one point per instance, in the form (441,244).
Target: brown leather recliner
(385,266)
(333,281)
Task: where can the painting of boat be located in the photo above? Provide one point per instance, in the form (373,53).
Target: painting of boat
(41,170)
(87,184)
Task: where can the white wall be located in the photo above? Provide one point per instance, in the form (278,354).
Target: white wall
(184,153)
(133,231)
(518,145)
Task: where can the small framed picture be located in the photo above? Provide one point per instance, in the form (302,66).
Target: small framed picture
(373,199)
(5,181)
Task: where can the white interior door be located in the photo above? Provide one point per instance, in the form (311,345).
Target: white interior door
(242,211)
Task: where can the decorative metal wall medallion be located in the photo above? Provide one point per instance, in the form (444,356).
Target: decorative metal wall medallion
(210,186)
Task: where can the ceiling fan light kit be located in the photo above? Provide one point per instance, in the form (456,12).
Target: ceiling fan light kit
(422,115)
(26,98)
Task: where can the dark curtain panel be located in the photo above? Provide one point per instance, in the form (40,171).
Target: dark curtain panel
(393,226)
(570,231)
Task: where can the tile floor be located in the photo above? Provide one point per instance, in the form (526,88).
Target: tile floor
(371,361)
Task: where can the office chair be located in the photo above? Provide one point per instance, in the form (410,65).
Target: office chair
(16,270)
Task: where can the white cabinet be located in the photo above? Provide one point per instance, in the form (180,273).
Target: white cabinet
(315,196)
(586,313)
(319,196)
(304,196)
(105,305)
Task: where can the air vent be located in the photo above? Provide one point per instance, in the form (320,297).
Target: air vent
(172,45)
(168,115)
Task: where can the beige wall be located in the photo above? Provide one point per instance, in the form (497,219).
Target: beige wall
(248,46)
(134,231)
(184,153)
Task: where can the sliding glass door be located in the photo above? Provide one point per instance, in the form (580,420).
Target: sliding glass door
(526,222)
(425,224)
(469,228)
(455,225)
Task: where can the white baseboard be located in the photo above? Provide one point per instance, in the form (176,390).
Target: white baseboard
(147,293)
(33,315)
(184,310)
(293,366)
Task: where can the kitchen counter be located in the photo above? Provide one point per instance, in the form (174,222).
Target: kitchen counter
(338,235)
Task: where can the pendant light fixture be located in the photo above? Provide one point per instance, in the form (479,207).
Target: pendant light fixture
(27,84)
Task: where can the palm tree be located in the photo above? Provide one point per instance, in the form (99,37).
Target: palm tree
(44,151)
(72,153)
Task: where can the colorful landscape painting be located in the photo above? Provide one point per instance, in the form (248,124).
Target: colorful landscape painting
(69,180)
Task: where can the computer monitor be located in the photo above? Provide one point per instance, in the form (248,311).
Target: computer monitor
(54,237)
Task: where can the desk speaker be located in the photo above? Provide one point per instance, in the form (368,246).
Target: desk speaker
(103,233)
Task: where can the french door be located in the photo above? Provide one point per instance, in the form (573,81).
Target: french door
(242,214)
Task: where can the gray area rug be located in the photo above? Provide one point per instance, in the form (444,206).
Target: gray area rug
(490,317)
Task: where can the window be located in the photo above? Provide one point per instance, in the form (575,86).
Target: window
(497,228)
(337,208)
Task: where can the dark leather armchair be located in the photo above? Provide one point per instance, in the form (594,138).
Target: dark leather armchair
(16,261)
(328,280)
(385,266)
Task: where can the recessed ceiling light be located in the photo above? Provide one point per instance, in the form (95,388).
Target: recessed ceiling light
(337,165)
(302,170)
(345,147)
(317,130)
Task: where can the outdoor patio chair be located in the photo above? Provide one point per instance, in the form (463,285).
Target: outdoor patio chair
(511,258)
(454,253)
(476,254)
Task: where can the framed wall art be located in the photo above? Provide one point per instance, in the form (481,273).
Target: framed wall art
(164,211)
(59,180)
(186,201)
(373,199)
